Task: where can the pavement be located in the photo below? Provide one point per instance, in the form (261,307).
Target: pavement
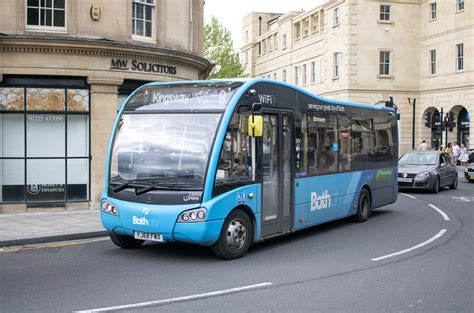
(40,227)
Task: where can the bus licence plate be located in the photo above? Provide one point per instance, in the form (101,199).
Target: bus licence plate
(405,180)
(148,236)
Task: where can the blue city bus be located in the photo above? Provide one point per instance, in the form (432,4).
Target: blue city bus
(228,163)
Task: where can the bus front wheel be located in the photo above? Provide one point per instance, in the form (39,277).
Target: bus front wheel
(235,237)
(364,206)
(125,242)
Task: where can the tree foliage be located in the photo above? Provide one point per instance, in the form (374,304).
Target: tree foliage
(219,50)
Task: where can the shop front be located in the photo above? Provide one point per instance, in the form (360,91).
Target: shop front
(56,115)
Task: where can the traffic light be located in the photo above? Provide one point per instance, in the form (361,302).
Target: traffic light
(446,121)
(428,119)
(451,123)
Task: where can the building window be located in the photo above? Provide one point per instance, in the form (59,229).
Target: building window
(143,12)
(264,44)
(304,75)
(432,62)
(246,36)
(315,22)
(460,57)
(44,148)
(297,28)
(275,76)
(433,11)
(275,41)
(46,14)
(459,5)
(284,76)
(246,57)
(384,63)
(336,17)
(337,61)
(313,72)
(296,75)
(284,41)
(385,12)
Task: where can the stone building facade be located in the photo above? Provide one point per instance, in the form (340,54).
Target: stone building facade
(65,68)
(368,50)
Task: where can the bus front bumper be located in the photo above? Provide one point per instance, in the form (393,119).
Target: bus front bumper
(202,233)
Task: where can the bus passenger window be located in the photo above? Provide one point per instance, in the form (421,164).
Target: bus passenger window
(322,144)
(235,164)
(345,144)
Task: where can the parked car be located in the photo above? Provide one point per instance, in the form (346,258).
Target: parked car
(428,170)
(469,172)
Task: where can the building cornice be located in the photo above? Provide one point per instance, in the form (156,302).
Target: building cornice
(102,48)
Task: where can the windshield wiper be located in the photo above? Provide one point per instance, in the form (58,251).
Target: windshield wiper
(170,185)
(127,183)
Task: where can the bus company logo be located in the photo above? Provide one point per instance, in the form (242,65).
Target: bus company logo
(241,196)
(140,221)
(319,202)
(145,211)
(192,196)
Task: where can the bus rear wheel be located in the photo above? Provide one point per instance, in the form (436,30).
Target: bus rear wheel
(235,237)
(364,207)
(125,242)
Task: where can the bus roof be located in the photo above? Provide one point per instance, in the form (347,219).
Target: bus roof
(248,82)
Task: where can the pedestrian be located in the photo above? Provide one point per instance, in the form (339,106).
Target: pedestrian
(463,156)
(449,149)
(456,151)
(423,146)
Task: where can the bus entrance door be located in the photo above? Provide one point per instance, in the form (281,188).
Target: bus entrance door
(277,175)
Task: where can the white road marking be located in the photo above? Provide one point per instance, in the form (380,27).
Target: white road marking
(409,196)
(178,299)
(438,235)
(444,215)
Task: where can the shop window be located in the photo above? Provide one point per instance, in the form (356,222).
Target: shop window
(12,99)
(143,12)
(46,14)
(45,138)
(39,99)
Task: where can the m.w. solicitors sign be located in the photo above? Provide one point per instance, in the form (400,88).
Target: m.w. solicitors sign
(139,66)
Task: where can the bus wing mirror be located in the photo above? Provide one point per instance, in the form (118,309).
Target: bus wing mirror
(255,126)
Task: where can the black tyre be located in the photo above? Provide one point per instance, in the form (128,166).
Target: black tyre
(364,207)
(125,242)
(454,185)
(435,188)
(235,237)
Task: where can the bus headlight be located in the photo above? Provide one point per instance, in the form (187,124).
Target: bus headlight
(109,208)
(191,216)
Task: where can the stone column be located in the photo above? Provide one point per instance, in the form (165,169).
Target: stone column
(103,112)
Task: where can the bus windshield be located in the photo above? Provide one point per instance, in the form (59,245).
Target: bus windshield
(167,150)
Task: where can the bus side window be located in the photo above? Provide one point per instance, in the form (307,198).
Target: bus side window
(345,144)
(383,141)
(322,144)
(235,164)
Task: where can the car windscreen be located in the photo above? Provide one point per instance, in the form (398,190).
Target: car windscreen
(412,158)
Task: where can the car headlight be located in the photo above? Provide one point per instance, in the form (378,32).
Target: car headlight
(423,174)
(109,208)
(192,216)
